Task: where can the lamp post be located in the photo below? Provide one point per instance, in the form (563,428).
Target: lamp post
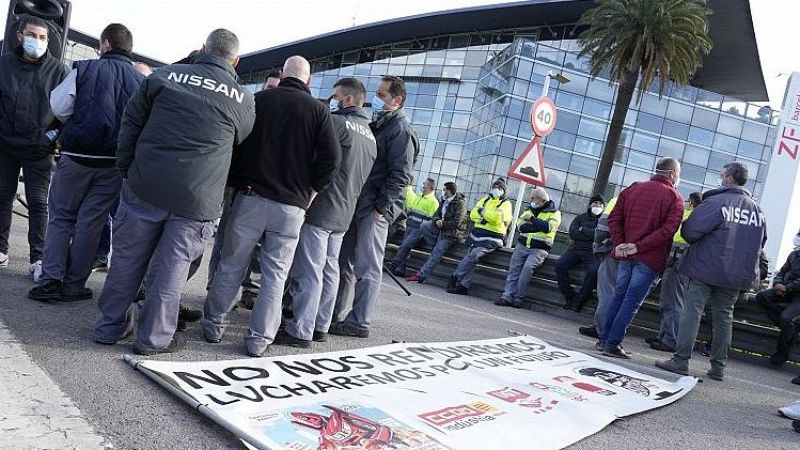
(521,192)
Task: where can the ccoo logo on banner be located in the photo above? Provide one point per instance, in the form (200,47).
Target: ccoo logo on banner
(501,393)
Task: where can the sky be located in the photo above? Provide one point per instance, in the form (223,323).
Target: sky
(168,30)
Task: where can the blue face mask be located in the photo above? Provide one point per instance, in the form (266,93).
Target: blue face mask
(377,104)
(334,105)
(34,47)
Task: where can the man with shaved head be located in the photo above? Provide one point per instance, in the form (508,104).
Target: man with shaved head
(292,154)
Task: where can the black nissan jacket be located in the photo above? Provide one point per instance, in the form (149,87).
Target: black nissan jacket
(293,147)
(25,114)
(177,134)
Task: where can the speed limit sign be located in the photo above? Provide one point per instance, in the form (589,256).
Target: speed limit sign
(543,116)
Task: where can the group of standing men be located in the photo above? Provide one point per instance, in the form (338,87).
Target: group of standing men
(313,184)
(308,191)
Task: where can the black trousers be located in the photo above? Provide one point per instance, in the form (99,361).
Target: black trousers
(783,311)
(569,260)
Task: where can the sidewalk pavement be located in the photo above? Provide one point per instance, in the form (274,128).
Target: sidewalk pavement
(34,412)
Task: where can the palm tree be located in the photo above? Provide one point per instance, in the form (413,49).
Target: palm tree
(639,40)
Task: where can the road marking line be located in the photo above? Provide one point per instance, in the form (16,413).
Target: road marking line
(34,412)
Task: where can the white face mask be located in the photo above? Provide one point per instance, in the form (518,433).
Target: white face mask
(496,192)
(796,241)
(34,47)
(597,210)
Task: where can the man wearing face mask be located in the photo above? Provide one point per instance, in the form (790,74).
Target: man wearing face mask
(27,133)
(725,234)
(673,286)
(420,210)
(491,217)
(782,304)
(90,103)
(642,225)
(380,202)
(315,271)
(537,227)
(581,231)
(449,225)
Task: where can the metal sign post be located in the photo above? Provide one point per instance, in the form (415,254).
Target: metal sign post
(543,121)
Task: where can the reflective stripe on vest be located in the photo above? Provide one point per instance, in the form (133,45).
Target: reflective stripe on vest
(541,236)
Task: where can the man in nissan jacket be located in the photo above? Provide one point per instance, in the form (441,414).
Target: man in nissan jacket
(725,234)
(173,153)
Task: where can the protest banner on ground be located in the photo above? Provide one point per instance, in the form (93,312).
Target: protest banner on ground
(511,393)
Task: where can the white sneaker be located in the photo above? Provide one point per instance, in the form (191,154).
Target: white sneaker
(3,260)
(792,411)
(35,271)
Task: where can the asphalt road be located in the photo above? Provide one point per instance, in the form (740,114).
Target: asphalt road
(131,412)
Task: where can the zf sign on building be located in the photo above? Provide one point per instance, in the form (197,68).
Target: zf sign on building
(780,200)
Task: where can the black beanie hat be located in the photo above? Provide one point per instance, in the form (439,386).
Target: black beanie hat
(597,198)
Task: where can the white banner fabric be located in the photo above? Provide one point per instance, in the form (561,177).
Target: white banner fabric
(511,393)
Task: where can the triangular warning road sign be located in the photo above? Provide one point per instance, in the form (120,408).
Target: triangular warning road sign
(529,167)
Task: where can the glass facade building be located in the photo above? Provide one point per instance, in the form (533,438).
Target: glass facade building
(469,98)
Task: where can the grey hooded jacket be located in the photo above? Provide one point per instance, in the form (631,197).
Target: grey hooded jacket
(725,234)
(398,146)
(178,132)
(334,207)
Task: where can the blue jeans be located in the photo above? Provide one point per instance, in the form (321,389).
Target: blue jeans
(442,246)
(633,282)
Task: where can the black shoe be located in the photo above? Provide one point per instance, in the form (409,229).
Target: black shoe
(284,338)
(569,304)
(84,294)
(248,300)
(181,325)
(189,315)
(662,347)
(100,265)
(616,352)
(452,282)
(342,329)
(46,292)
(589,332)
(796,380)
(253,354)
(796,425)
(716,373)
(651,340)
(319,336)
(778,359)
(706,351)
(579,307)
(459,289)
(503,302)
(399,271)
(177,344)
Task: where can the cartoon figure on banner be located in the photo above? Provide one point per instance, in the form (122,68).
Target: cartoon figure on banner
(585,386)
(344,430)
(638,385)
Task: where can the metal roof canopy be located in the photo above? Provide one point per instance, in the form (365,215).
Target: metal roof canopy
(91,41)
(732,68)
